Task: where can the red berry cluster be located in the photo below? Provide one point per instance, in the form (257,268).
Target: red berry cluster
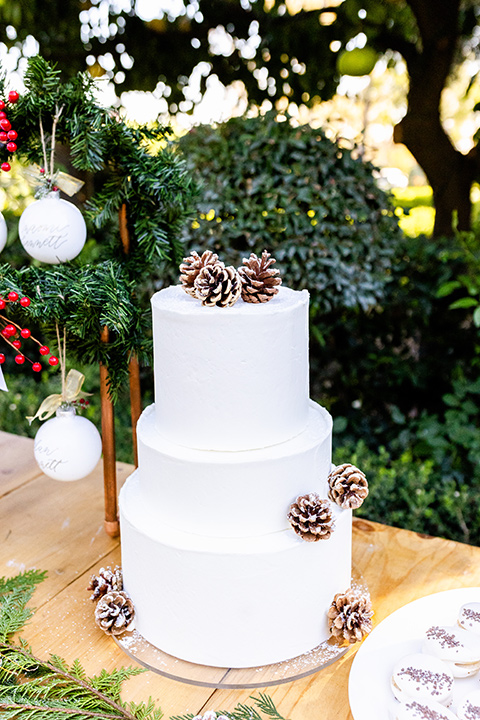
(11,333)
(7,134)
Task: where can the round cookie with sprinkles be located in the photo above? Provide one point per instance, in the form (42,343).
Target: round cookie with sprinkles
(422,677)
(469,617)
(423,710)
(459,649)
(469,708)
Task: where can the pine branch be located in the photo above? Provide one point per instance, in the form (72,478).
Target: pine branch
(52,683)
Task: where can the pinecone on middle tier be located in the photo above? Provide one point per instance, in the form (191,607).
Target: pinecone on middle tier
(218,285)
(311,517)
(259,280)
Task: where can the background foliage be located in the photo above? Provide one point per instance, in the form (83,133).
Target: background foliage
(393,361)
(313,204)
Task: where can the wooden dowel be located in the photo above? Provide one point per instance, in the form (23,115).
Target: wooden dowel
(133,368)
(135,402)
(111,523)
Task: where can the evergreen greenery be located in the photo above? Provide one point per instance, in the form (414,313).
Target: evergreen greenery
(136,170)
(36,689)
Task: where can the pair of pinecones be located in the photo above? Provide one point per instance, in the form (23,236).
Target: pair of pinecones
(312,517)
(207,279)
(114,612)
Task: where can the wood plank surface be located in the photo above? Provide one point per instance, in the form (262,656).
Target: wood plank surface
(58,527)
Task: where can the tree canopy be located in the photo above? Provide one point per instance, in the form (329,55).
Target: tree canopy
(279,50)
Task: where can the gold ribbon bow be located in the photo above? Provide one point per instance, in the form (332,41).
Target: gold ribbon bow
(73,386)
(69,184)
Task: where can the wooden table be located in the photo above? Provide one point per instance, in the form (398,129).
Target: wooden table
(58,527)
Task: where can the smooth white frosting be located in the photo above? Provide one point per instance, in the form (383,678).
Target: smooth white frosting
(216,574)
(229,602)
(232,494)
(230,378)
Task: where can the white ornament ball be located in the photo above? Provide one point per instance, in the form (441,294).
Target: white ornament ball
(52,230)
(68,446)
(3,232)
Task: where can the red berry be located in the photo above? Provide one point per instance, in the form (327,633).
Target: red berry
(36,367)
(43,350)
(10,330)
(2,358)
(87,402)
(25,302)
(82,401)
(3,114)
(42,171)
(25,333)
(12,135)
(5,333)
(17,344)
(12,296)
(3,137)
(13,96)
(19,359)
(53,360)
(2,104)
(5,124)
(54,188)
(6,167)
(2,304)
(11,146)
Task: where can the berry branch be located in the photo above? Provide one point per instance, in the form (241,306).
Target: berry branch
(11,329)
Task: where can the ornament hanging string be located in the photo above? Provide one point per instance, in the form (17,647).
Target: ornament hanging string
(71,386)
(49,168)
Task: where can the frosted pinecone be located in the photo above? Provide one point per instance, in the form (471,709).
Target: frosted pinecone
(106,580)
(217,285)
(348,486)
(311,517)
(350,616)
(259,280)
(191,266)
(114,613)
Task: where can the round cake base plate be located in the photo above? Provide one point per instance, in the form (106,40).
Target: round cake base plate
(140,650)
(146,654)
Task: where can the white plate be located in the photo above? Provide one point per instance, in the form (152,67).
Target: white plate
(400,634)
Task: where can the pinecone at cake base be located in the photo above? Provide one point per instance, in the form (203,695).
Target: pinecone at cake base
(350,616)
(311,517)
(192,265)
(114,613)
(106,580)
(217,285)
(348,486)
(259,280)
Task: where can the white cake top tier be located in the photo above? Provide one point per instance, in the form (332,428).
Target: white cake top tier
(231,378)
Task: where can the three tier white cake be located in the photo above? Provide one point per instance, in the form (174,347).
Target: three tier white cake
(215,571)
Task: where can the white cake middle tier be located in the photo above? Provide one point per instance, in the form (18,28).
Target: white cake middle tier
(232,494)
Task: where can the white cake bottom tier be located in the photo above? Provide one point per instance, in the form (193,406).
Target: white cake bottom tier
(230,602)
(232,494)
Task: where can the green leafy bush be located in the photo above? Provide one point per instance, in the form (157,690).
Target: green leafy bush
(314,205)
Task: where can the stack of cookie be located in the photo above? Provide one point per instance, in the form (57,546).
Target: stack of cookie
(423,683)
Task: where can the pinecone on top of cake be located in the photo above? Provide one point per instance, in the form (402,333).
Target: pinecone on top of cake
(218,285)
(207,279)
(259,280)
(192,265)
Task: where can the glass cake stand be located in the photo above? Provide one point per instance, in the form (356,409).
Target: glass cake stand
(144,653)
